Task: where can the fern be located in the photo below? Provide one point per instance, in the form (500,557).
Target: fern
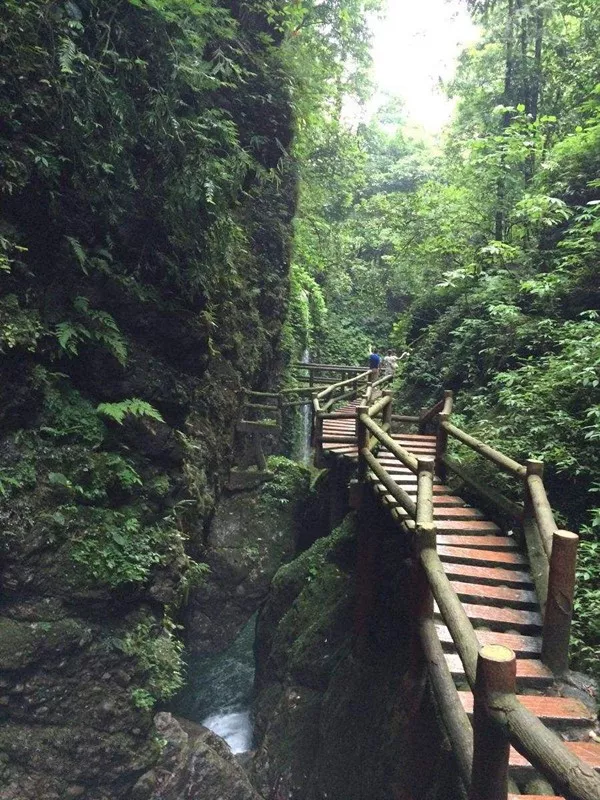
(66,55)
(133,407)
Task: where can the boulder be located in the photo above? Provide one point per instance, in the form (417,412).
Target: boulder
(194,763)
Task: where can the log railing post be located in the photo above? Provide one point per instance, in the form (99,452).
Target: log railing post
(534,467)
(259,455)
(425,538)
(362,441)
(441,445)
(496,676)
(559,603)
(387,411)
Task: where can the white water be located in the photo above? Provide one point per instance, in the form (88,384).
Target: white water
(221,689)
(303,454)
(235,728)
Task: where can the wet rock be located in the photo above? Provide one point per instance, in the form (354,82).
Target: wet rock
(194,763)
(251,535)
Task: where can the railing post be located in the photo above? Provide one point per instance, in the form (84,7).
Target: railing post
(441,445)
(425,537)
(362,441)
(559,604)
(534,467)
(259,455)
(387,411)
(496,675)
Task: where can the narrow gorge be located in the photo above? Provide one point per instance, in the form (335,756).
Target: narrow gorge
(214,214)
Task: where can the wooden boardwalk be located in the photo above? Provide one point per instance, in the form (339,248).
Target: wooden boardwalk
(491,576)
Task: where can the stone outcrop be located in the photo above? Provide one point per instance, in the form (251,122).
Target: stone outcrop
(193,763)
(333,720)
(252,533)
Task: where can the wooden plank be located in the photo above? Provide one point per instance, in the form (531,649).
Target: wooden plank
(482,557)
(530,671)
(522,645)
(586,751)
(496,618)
(488,575)
(486,542)
(551,710)
(480,593)
(473,527)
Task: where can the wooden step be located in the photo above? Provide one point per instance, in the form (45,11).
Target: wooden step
(586,751)
(482,557)
(488,575)
(414,437)
(471,526)
(522,645)
(464,513)
(499,619)
(534,797)
(486,542)
(554,711)
(530,671)
(480,593)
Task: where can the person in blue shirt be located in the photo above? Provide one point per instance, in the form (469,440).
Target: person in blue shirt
(374,363)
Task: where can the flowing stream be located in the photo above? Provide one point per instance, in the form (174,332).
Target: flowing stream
(220,691)
(303,445)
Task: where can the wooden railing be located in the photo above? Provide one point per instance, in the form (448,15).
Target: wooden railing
(362,387)
(500,719)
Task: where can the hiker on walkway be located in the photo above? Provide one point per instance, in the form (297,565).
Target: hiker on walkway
(389,363)
(374,363)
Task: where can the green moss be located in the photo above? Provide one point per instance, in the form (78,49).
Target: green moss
(25,643)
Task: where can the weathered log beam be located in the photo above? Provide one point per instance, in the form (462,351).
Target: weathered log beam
(504,462)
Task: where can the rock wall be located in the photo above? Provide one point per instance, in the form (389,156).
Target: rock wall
(143,281)
(335,720)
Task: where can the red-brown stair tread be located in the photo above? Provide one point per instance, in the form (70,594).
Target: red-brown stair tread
(530,671)
(586,751)
(550,709)
(491,575)
(484,557)
(493,616)
(487,542)
(515,641)
(477,592)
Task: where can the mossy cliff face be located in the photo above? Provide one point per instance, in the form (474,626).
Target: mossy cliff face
(143,282)
(334,721)
(252,533)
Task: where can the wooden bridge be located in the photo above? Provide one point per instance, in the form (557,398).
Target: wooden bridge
(493,590)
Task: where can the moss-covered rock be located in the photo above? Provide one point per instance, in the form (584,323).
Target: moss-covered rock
(252,533)
(334,721)
(194,763)
(147,269)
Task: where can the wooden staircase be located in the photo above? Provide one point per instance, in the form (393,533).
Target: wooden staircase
(491,576)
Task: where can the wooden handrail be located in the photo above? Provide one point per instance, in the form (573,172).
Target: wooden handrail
(328,367)
(379,406)
(541,506)
(429,413)
(504,462)
(401,454)
(397,492)
(339,385)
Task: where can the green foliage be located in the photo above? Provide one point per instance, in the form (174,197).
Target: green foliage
(134,407)
(159,655)
(91,325)
(19,327)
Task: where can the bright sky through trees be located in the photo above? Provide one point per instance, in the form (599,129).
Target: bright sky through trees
(415,45)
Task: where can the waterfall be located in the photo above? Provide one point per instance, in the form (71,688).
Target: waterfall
(303,446)
(220,691)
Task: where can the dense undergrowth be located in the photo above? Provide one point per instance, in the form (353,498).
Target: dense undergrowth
(147,196)
(480,253)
